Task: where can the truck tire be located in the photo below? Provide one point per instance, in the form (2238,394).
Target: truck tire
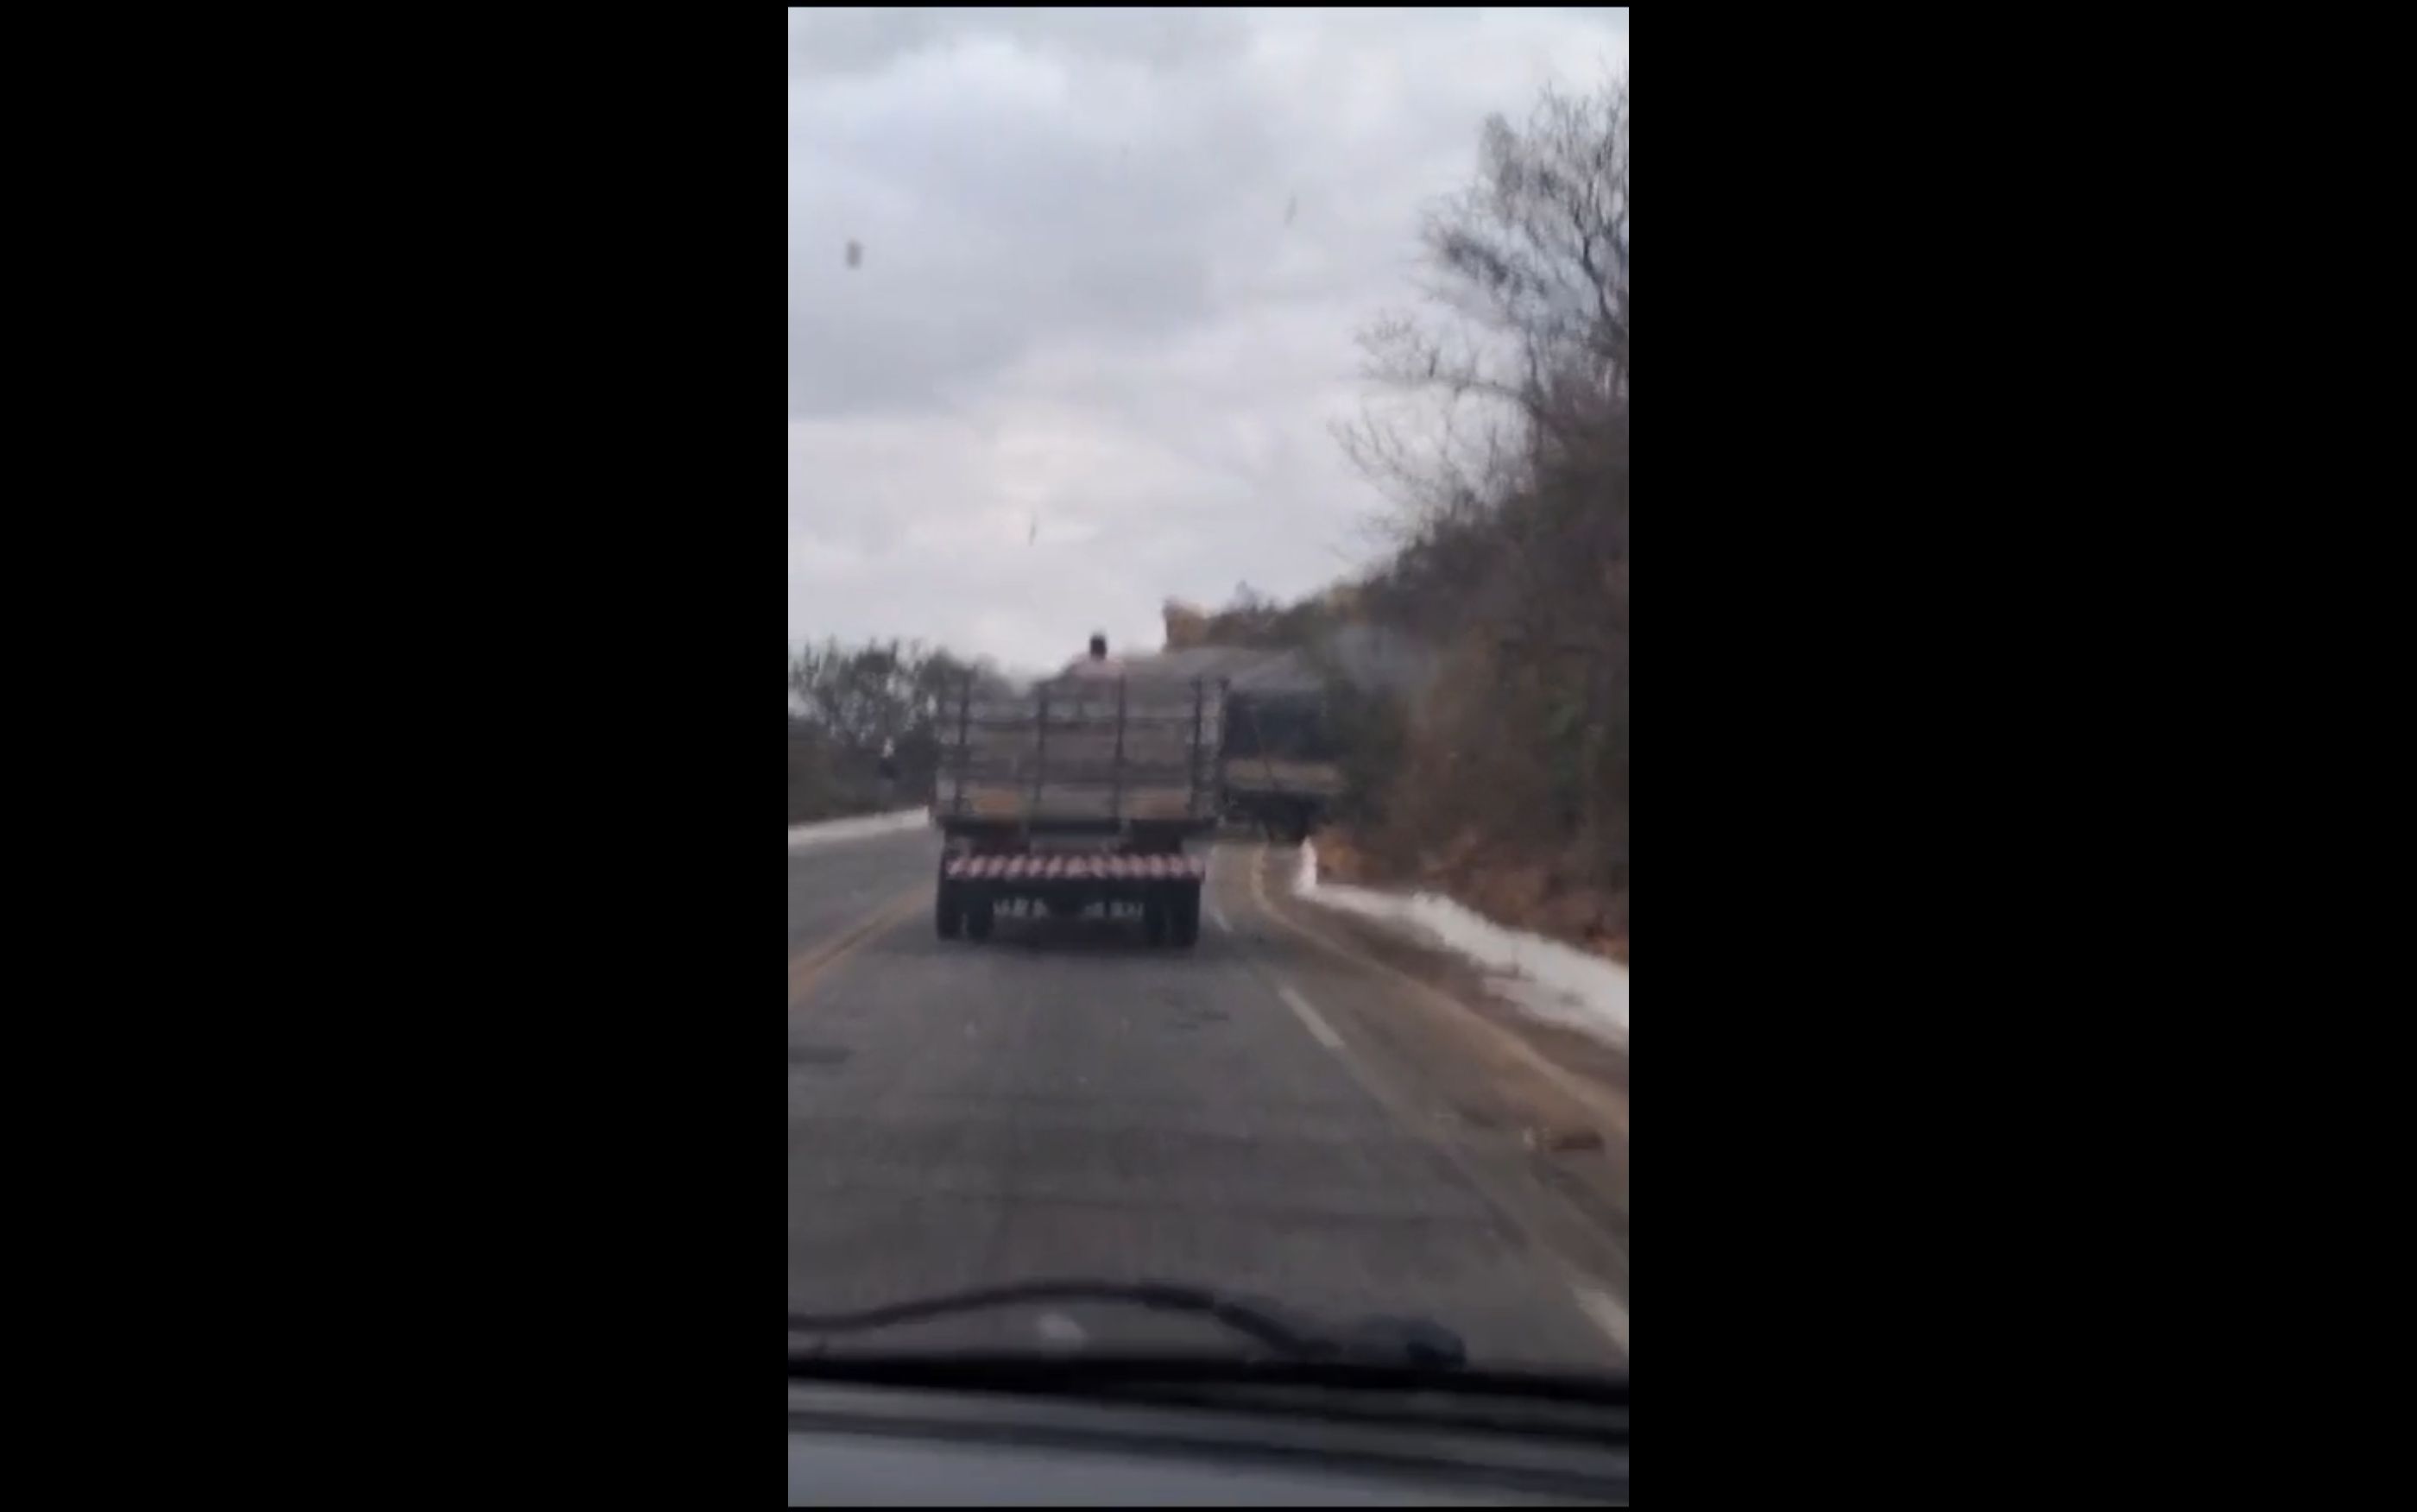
(947,913)
(1153,918)
(1186,922)
(977,916)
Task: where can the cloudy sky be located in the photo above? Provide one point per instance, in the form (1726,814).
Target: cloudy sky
(1111,266)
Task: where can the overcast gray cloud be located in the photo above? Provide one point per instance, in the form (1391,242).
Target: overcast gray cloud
(1113,263)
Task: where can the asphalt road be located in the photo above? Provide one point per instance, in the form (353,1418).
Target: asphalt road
(1256,1113)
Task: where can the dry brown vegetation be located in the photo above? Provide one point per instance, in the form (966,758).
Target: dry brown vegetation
(1502,432)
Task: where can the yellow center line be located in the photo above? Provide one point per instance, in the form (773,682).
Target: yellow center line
(806,970)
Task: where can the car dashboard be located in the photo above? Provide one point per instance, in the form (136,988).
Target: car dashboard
(853,1444)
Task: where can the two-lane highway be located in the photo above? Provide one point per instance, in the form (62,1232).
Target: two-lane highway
(1063,1100)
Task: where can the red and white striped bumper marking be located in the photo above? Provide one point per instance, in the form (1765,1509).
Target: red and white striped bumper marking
(1077,867)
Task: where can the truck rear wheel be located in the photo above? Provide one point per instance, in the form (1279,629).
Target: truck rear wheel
(977,916)
(947,914)
(1186,920)
(1153,918)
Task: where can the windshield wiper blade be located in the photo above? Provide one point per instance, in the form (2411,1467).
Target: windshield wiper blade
(1402,1340)
(1091,1374)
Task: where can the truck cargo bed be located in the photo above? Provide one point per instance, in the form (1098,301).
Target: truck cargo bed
(1083,754)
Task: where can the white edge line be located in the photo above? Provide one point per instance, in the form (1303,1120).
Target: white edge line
(1219,915)
(1322,1031)
(859,826)
(1603,1312)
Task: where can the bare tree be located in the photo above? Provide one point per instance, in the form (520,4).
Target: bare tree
(865,714)
(1500,426)
(1529,274)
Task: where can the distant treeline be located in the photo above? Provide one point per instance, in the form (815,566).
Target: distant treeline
(846,705)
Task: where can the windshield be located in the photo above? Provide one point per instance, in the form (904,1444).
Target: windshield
(1208,685)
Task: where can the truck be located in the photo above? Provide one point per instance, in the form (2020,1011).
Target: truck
(1080,793)
(1281,767)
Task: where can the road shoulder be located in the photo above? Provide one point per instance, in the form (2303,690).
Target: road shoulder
(1537,1115)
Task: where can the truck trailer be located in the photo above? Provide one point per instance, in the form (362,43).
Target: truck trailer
(1281,769)
(1080,793)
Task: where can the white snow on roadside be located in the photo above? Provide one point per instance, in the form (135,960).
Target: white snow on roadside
(859,827)
(1546,978)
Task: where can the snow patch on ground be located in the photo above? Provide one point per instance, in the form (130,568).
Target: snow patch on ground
(1547,978)
(859,827)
